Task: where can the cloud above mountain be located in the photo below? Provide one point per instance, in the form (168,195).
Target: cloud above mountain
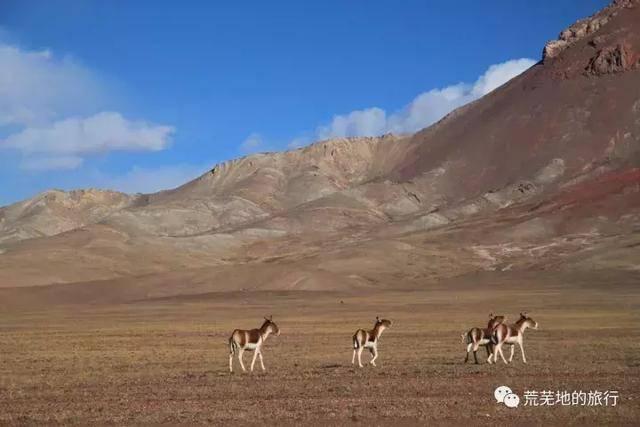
(64,143)
(37,87)
(425,109)
(52,113)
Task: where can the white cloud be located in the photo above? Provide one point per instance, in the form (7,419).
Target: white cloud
(52,111)
(78,137)
(499,74)
(56,112)
(371,121)
(149,180)
(425,109)
(252,144)
(36,87)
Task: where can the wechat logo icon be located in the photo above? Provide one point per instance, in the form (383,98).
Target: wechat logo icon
(504,394)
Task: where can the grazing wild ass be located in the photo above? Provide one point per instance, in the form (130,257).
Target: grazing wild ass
(369,339)
(251,340)
(512,335)
(477,337)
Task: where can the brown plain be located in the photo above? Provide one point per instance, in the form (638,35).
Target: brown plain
(165,361)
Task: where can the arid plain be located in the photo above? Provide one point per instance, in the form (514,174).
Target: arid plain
(165,361)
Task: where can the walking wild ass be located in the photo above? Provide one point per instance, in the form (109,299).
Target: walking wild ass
(477,337)
(251,340)
(368,339)
(512,335)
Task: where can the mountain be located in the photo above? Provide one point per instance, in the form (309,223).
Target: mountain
(56,211)
(541,173)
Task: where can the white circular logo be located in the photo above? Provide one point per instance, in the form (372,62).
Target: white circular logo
(511,400)
(501,392)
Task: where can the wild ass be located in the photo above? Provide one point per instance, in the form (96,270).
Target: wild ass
(369,339)
(477,337)
(251,340)
(512,335)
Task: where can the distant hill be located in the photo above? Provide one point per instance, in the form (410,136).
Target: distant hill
(543,172)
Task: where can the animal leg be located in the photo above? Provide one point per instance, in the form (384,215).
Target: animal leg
(240,353)
(475,352)
(466,359)
(253,360)
(491,353)
(232,352)
(499,347)
(524,359)
(374,351)
(261,361)
(353,359)
(513,347)
(360,357)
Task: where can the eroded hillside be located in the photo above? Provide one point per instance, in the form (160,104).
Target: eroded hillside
(543,172)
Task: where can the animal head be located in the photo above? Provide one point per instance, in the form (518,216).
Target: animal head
(269,325)
(527,321)
(495,320)
(383,322)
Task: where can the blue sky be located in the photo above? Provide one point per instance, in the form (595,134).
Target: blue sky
(144,95)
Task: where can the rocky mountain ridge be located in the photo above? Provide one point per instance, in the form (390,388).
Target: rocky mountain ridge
(543,172)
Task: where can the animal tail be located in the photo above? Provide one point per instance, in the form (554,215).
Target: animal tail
(232,346)
(464,338)
(356,345)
